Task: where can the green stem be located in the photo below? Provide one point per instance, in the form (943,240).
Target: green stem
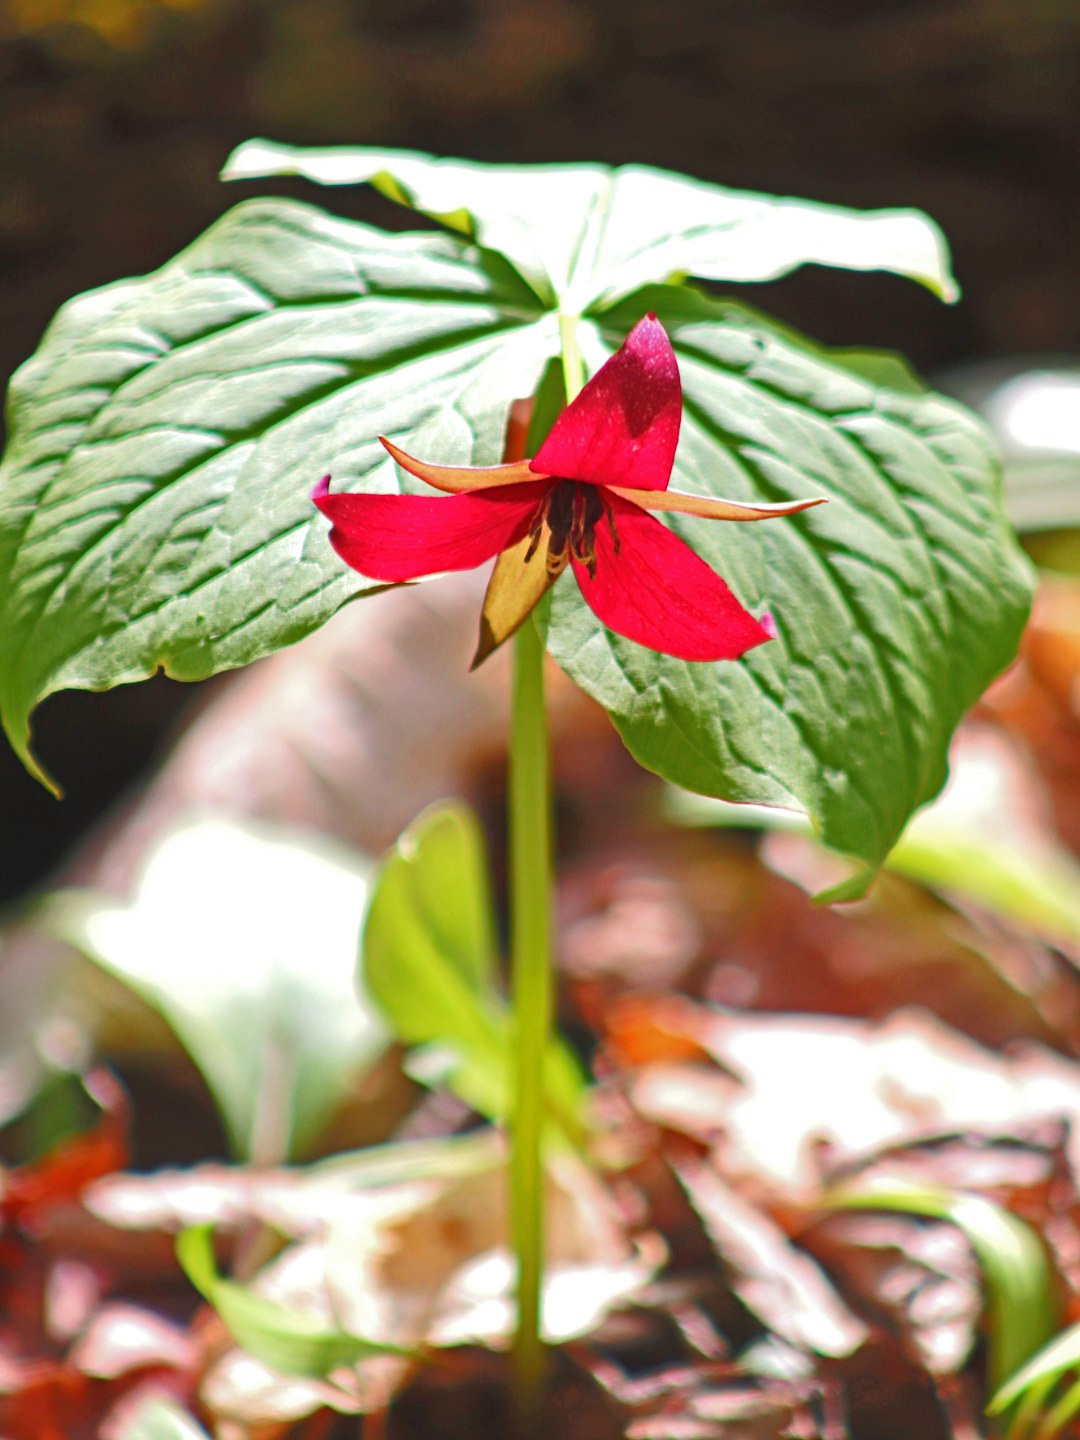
(572,363)
(530,915)
(531,979)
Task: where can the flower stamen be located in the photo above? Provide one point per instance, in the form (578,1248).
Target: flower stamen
(561,523)
(536,527)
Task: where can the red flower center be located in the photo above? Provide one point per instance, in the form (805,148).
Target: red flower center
(570,513)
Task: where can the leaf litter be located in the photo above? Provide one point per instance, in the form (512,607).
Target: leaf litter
(913,1040)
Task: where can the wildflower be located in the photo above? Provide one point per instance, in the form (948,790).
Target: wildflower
(583,501)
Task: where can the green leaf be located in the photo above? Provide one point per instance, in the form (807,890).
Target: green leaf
(442,860)
(896,603)
(586,235)
(428,963)
(1031,1387)
(244,938)
(166,438)
(167,435)
(160,1420)
(291,1342)
(1020,1289)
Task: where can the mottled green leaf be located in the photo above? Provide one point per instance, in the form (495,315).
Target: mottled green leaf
(155,494)
(896,603)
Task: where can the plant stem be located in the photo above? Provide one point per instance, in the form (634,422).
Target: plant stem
(531,970)
(572,364)
(530,916)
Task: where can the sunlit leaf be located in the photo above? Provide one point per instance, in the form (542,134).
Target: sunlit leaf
(244,938)
(779,1283)
(585,235)
(155,507)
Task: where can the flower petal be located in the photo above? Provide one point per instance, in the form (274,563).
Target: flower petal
(655,590)
(710,509)
(401,537)
(513,591)
(456,478)
(624,426)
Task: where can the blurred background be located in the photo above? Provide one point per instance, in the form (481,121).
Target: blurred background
(202,955)
(115,116)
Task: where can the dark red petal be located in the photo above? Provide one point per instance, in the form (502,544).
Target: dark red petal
(401,537)
(624,426)
(656,591)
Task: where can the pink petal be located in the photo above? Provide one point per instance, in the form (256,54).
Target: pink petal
(401,537)
(624,426)
(656,591)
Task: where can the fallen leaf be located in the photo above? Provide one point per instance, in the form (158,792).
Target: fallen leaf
(787,1290)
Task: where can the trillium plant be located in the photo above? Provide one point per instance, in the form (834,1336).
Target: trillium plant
(583,501)
(156,502)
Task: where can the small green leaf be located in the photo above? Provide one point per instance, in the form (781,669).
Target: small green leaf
(442,854)
(1020,1290)
(428,963)
(1045,1368)
(244,938)
(286,1340)
(586,235)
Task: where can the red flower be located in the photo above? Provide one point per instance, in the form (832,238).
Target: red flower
(582,501)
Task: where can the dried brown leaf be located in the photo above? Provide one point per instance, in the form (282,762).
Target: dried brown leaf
(781,1285)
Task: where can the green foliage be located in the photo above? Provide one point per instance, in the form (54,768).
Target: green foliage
(585,235)
(242,938)
(1021,1299)
(291,1342)
(428,962)
(1032,1389)
(881,598)
(166,437)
